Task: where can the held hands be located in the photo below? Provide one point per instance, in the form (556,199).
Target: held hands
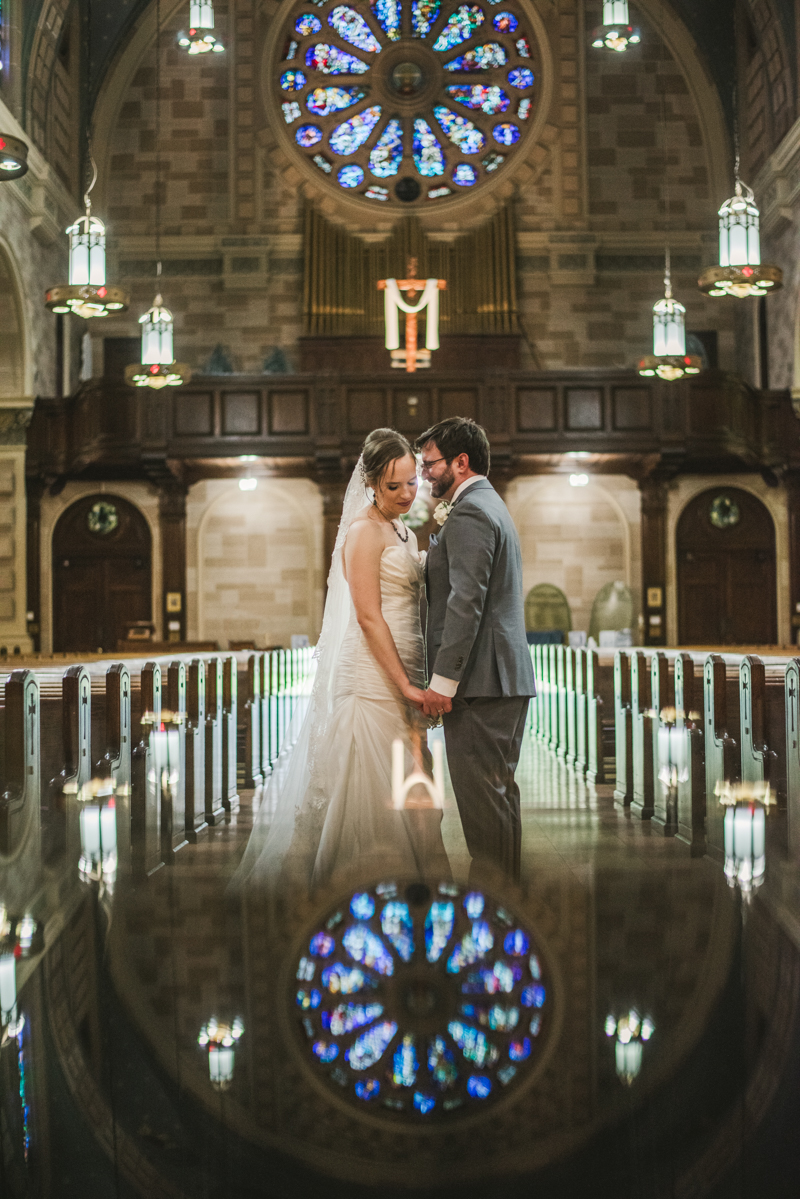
(414,695)
(435,704)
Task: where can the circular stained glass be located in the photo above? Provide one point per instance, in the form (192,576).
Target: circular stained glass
(420,1001)
(406,90)
(351,176)
(102,518)
(724,512)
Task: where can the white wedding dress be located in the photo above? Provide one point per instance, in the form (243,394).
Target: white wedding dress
(327,810)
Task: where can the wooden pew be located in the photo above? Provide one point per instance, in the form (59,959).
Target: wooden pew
(581,710)
(214,810)
(146,840)
(20,818)
(600,719)
(544,700)
(623,790)
(116,758)
(691,789)
(552,670)
(720,715)
(641,722)
(571,702)
(762,723)
(196,822)
(173,808)
(561,700)
(74,756)
(250,721)
(230,788)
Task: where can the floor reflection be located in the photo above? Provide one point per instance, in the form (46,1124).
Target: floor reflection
(619,1023)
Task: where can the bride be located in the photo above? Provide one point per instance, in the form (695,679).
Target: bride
(326,811)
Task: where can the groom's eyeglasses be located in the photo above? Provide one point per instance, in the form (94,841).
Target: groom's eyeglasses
(425,466)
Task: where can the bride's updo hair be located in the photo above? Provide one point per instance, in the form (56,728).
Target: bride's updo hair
(381,449)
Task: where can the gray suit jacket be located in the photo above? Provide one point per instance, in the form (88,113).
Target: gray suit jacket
(476,620)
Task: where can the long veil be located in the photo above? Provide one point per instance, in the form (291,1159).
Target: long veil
(293,804)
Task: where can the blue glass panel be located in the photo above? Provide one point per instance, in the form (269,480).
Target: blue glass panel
(428,159)
(460,27)
(441,916)
(506,1073)
(536,969)
(523,49)
(351,135)
(491,100)
(524,109)
(436,193)
(533,996)
(308,999)
(350,176)
(502,1019)
(291,111)
(462,133)
(293,81)
(519,1050)
(307,24)
(325,100)
(492,161)
(345,980)
(536,1024)
(473,1044)
(322,163)
(332,61)
(464,175)
(352,28)
(388,15)
(306,970)
(424,1103)
(362,906)
(290,50)
(441,1064)
(322,945)
(521,77)
(405,1064)
(505,22)
(479,1086)
(506,134)
(370,1047)
(387,154)
(326,1051)
(376,193)
(471,948)
(481,58)
(366,948)
(474,903)
(347,1017)
(517,942)
(367,1088)
(308,135)
(397,924)
(423,16)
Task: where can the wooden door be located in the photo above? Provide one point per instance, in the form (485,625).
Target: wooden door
(102,564)
(726,570)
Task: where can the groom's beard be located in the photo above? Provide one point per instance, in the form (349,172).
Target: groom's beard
(442,485)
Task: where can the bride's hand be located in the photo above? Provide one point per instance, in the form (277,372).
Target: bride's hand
(414,695)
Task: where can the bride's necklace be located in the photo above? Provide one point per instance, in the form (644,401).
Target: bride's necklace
(391,522)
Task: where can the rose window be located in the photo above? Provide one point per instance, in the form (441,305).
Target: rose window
(406,100)
(421,1001)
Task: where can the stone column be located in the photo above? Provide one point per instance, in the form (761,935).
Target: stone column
(654,559)
(14,638)
(172,515)
(332,490)
(792,483)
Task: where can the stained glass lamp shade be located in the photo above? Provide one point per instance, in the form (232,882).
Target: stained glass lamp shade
(421,1001)
(200,39)
(669,359)
(87,294)
(740,272)
(13,157)
(157,368)
(616,32)
(406,103)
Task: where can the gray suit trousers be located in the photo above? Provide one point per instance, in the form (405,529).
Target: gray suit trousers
(484,738)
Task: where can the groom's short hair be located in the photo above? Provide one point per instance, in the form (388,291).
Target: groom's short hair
(459,435)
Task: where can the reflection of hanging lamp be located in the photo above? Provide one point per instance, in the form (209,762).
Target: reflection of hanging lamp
(744,830)
(200,39)
(219,1041)
(631,1031)
(13,157)
(669,359)
(98,833)
(616,32)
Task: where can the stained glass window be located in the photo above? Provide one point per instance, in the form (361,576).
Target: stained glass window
(351,175)
(436,193)
(520,77)
(505,22)
(322,163)
(377,193)
(293,81)
(492,161)
(308,135)
(462,133)
(460,27)
(332,61)
(524,109)
(491,100)
(387,154)
(325,100)
(464,175)
(506,134)
(352,27)
(347,137)
(388,14)
(291,111)
(290,51)
(482,58)
(307,24)
(368,1028)
(523,49)
(423,16)
(428,156)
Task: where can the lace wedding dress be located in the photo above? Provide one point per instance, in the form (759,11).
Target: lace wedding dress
(327,810)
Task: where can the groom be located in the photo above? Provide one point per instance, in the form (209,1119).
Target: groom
(481,677)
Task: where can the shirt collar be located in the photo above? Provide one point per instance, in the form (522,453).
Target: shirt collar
(467,483)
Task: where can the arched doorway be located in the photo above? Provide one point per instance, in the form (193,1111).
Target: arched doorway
(101,574)
(726,570)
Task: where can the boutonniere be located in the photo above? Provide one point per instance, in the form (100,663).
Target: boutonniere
(441,512)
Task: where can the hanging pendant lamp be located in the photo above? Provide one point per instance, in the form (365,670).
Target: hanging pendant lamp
(616,32)
(200,39)
(669,359)
(13,157)
(741,272)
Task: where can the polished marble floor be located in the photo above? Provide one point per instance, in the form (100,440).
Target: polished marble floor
(621,1023)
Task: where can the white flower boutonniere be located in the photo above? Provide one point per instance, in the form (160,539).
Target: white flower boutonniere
(441,512)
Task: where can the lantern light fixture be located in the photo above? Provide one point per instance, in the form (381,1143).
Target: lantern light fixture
(157,368)
(669,359)
(744,833)
(200,39)
(616,32)
(631,1032)
(741,272)
(219,1041)
(13,157)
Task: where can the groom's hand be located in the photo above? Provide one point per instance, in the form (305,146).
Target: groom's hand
(435,704)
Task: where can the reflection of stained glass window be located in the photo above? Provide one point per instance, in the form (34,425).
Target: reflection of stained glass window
(519,1050)
(464,175)
(491,100)
(423,1103)
(472,947)
(438,927)
(479,1086)
(492,161)
(367,1088)
(523,49)
(387,154)
(352,28)
(308,135)
(428,156)
(397,926)
(376,193)
(291,111)
(326,1051)
(322,163)
(344,980)
(349,1016)
(322,946)
(423,15)
(325,100)
(405,1069)
(331,61)
(460,27)
(367,949)
(293,81)
(462,133)
(436,193)
(347,137)
(520,77)
(370,1047)
(307,24)
(524,108)
(351,175)
(505,22)
(388,15)
(482,58)
(473,1044)
(506,134)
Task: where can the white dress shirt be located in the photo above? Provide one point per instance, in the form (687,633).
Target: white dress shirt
(438,683)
